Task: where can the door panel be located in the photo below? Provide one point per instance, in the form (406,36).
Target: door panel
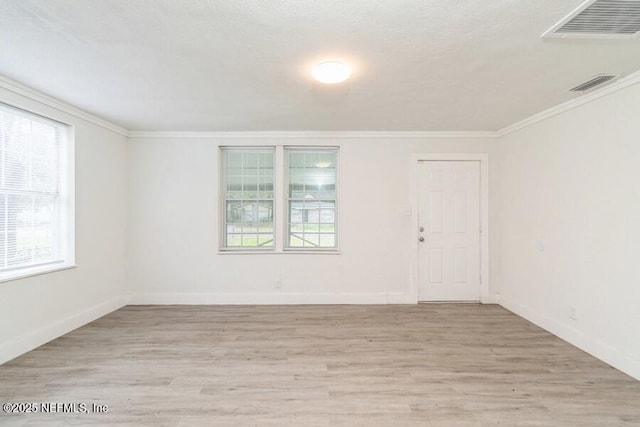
(435,262)
(435,212)
(449,212)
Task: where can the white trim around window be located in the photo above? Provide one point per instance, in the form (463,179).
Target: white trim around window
(280,211)
(247,198)
(311,198)
(37,210)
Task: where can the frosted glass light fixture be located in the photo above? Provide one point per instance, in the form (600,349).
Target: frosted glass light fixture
(331,72)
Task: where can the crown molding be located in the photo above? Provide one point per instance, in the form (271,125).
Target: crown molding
(311,134)
(616,86)
(27,92)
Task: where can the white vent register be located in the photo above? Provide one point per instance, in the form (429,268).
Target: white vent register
(600,19)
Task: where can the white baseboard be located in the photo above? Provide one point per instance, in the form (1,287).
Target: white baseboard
(20,345)
(270,298)
(573,336)
(491,299)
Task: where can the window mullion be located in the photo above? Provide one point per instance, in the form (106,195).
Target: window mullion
(281,192)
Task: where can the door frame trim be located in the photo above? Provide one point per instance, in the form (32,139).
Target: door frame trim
(483,158)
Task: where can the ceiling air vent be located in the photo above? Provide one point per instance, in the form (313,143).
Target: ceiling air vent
(600,19)
(594,82)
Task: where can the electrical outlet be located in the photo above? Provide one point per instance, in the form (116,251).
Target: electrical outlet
(573,313)
(279,284)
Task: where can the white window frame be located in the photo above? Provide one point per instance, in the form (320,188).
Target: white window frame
(223,200)
(66,195)
(281,196)
(286,232)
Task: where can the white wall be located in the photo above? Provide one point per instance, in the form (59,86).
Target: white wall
(174,255)
(572,182)
(564,209)
(37,309)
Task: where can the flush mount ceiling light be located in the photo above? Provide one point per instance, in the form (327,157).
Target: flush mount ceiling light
(330,72)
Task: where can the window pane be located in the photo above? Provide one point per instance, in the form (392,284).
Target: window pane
(265,240)
(248,177)
(265,227)
(44,158)
(250,187)
(312,174)
(3,212)
(31,229)
(311,197)
(3,249)
(234,240)
(327,240)
(295,241)
(250,215)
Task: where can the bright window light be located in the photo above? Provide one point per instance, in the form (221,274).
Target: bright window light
(36,194)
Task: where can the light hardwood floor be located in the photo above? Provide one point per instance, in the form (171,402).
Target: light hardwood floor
(423,365)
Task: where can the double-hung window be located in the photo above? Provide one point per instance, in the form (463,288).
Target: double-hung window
(311,199)
(289,207)
(248,197)
(36,197)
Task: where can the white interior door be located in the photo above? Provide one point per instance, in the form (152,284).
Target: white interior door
(449,231)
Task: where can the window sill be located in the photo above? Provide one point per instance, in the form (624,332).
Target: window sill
(34,271)
(282,252)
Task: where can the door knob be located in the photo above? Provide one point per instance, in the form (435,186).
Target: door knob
(421,239)
(421,229)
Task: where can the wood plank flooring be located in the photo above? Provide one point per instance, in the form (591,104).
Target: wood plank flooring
(422,365)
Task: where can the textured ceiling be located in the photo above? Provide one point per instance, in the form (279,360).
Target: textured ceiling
(419,65)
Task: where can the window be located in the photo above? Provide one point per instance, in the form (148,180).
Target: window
(248,180)
(311,201)
(290,207)
(36,230)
